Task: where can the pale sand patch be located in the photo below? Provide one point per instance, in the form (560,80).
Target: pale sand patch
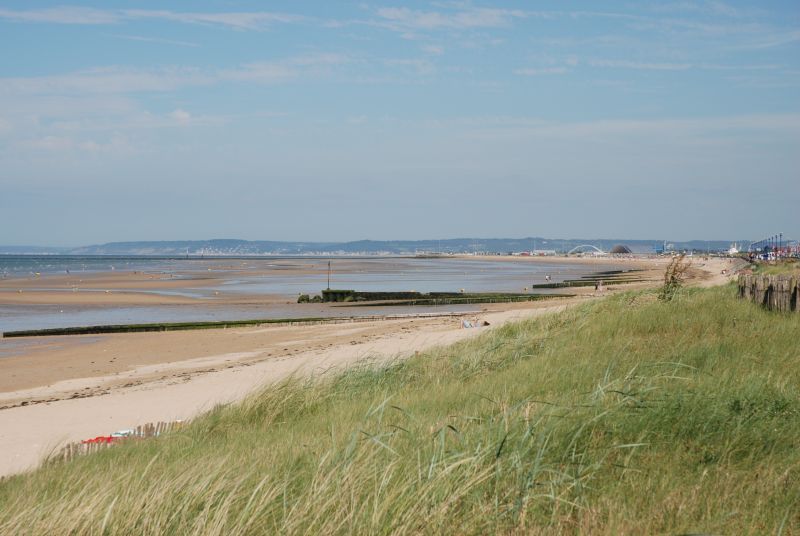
(120,381)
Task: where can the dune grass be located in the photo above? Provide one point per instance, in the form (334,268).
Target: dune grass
(785,266)
(625,416)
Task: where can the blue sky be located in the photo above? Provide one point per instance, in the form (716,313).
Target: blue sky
(351,120)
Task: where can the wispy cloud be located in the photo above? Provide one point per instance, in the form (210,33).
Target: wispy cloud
(157,40)
(122,80)
(107,80)
(116,145)
(690,129)
(269,72)
(434,50)
(181,116)
(417,66)
(638,65)
(238,20)
(541,71)
(709,7)
(775,39)
(672,66)
(91,16)
(125,120)
(62,15)
(412,20)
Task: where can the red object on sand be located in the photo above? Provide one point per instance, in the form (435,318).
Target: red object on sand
(99,439)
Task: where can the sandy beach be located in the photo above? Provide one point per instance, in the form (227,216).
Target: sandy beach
(59,389)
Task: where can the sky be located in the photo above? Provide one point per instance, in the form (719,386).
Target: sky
(335,121)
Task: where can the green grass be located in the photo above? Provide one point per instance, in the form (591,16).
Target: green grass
(789,266)
(626,416)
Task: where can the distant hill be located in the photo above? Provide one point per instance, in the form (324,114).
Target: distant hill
(200,247)
(32,250)
(382,247)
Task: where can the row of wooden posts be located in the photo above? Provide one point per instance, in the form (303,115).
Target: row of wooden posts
(774,292)
(88,446)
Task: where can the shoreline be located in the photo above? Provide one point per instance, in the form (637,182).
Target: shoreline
(61,391)
(247,289)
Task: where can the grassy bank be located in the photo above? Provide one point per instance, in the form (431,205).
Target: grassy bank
(788,266)
(628,415)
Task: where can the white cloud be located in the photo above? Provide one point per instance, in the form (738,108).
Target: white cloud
(708,7)
(261,72)
(434,50)
(418,66)
(279,71)
(121,80)
(409,19)
(36,109)
(237,20)
(117,145)
(90,16)
(181,116)
(62,15)
(316,60)
(49,143)
(688,130)
(774,39)
(638,65)
(158,40)
(668,66)
(541,71)
(106,80)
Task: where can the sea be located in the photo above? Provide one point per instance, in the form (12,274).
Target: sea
(286,277)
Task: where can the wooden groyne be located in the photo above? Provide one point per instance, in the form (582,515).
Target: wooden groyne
(774,292)
(369,299)
(183,326)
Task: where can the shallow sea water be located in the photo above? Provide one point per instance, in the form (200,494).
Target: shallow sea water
(269,276)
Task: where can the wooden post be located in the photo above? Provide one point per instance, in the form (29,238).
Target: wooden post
(760,291)
(779,293)
(785,285)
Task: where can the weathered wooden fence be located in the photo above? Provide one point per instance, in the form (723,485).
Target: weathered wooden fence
(775,292)
(87,446)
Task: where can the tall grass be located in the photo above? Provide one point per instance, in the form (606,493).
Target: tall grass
(627,416)
(784,266)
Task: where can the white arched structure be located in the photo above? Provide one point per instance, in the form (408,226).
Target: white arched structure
(586,248)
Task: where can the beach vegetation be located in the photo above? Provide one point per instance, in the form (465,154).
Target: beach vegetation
(787,266)
(674,277)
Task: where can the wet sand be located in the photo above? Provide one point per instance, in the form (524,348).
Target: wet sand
(119,288)
(207,283)
(59,389)
(237,289)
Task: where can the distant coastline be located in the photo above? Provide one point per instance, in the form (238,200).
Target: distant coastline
(450,246)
